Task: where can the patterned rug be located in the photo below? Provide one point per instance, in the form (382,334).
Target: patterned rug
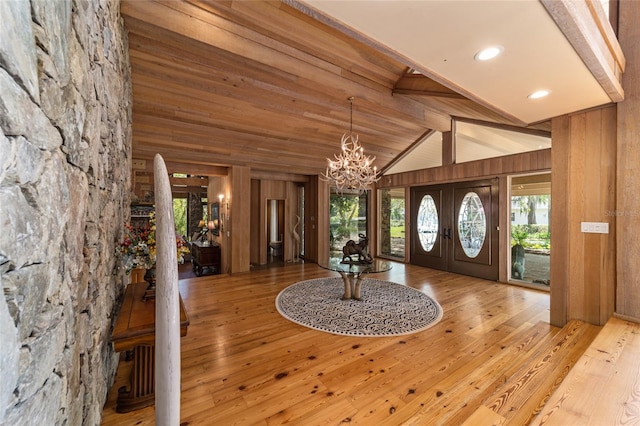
(386,308)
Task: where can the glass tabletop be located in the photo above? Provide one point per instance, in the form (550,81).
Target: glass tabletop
(335,264)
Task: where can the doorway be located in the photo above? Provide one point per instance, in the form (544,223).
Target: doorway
(275,230)
(456,227)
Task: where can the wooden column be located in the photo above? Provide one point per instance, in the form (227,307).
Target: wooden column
(628,169)
(583,190)
(239,219)
(317,221)
(449,146)
(167,373)
(322,221)
(311,219)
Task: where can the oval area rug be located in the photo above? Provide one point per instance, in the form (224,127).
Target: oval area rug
(386,308)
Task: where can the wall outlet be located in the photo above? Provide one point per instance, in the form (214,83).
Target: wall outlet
(594,227)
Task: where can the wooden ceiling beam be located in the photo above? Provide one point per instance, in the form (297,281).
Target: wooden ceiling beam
(202,168)
(188,189)
(189,181)
(420,85)
(289,177)
(585,25)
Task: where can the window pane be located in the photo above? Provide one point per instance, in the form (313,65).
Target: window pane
(530,228)
(472,224)
(391,217)
(428,223)
(347,220)
(475,142)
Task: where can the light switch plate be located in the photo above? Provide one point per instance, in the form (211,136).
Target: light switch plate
(138,164)
(594,227)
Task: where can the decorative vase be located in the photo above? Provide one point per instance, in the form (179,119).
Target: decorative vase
(150,277)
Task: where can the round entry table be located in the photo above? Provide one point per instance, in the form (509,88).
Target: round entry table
(353,273)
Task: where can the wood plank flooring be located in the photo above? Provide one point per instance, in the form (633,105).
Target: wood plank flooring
(604,386)
(244,364)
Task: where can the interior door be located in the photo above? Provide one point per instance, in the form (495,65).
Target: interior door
(456,228)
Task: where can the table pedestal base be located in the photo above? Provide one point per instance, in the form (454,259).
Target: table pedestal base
(141,391)
(352,285)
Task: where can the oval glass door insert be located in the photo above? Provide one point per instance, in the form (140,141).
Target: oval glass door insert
(427,223)
(472,224)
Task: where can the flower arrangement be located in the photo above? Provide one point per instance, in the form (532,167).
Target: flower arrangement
(138,248)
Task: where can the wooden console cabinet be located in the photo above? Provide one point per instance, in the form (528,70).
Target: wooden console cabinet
(134,333)
(205,258)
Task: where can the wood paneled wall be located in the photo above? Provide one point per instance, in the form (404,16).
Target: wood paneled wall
(628,167)
(583,265)
(491,167)
(263,190)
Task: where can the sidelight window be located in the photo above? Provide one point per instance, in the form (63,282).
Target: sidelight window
(391,215)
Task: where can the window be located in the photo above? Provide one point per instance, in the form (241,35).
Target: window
(472,224)
(428,223)
(347,220)
(391,216)
(475,142)
(530,206)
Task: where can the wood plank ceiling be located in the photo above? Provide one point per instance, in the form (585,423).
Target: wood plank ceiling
(263,85)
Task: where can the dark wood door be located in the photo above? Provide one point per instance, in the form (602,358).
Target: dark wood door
(429,242)
(455,228)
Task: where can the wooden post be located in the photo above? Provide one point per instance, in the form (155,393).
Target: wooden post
(627,211)
(167,374)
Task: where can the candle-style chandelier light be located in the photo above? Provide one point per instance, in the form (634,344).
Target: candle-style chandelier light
(351,170)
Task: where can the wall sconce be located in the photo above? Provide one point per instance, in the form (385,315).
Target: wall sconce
(203,228)
(221,198)
(211,225)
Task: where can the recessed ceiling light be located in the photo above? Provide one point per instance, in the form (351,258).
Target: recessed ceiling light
(488,53)
(539,94)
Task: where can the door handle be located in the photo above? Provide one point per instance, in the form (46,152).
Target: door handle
(446,233)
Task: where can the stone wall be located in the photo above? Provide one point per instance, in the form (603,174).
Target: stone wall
(65,121)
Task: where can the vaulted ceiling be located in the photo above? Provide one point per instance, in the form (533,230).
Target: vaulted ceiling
(265,84)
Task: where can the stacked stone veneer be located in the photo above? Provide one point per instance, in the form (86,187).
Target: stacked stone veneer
(65,121)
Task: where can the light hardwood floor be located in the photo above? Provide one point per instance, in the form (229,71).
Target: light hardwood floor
(603,388)
(244,364)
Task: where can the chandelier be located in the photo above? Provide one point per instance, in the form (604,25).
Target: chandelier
(351,170)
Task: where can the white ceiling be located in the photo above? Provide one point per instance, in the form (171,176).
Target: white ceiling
(440,38)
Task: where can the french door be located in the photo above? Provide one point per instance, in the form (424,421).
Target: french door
(455,227)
